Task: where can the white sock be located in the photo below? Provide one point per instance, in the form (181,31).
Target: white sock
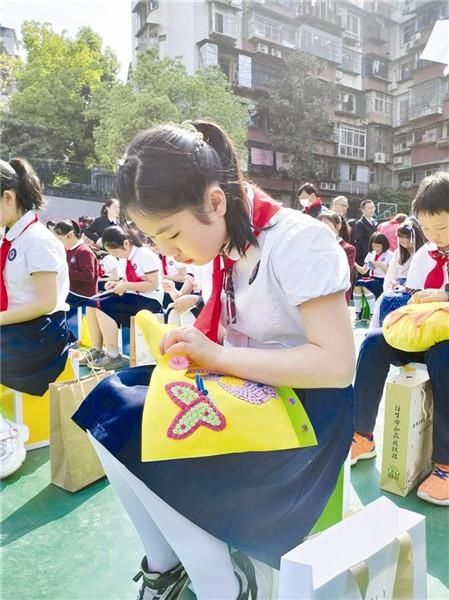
(357,302)
(113,354)
(205,558)
(371,299)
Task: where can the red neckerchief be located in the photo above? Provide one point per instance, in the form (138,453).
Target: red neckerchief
(130,273)
(376,258)
(4,251)
(316,202)
(209,318)
(435,278)
(164,264)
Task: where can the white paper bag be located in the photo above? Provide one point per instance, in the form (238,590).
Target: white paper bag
(378,553)
(407,440)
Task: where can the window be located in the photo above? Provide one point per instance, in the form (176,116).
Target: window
(345,102)
(353,24)
(352,141)
(402,142)
(375,67)
(153,5)
(407,31)
(427,98)
(351,61)
(429,14)
(225,22)
(406,71)
(382,103)
(273,31)
(321,44)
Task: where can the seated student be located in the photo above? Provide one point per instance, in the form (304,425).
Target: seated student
(429,273)
(140,288)
(34,336)
(395,294)
(283,278)
(375,265)
(337,225)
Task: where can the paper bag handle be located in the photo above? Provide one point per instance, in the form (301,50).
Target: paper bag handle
(403,581)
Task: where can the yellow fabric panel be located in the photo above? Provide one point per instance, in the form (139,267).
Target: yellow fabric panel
(417,327)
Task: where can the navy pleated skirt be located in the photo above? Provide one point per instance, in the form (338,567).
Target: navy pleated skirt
(392,301)
(34,353)
(122,308)
(374,284)
(263,503)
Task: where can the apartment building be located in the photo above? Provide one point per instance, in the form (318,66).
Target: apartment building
(392,113)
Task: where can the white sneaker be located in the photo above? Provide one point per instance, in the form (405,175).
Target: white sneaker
(12,446)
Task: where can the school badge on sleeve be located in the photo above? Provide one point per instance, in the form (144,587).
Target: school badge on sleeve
(191,413)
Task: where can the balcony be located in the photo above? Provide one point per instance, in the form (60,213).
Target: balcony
(274,8)
(427,99)
(322,13)
(351,62)
(353,187)
(374,32)
(260,28)
(321,44)
(425,154)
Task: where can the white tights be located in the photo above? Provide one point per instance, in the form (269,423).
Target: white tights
(169,538)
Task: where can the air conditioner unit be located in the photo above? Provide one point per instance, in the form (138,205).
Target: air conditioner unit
(263,48)
(379,158)
(323,186)
(406,184)
(409,45)
(332,187)
(416,38)
(276,52)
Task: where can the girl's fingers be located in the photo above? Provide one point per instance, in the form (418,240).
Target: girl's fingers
(178,348)
(172,337)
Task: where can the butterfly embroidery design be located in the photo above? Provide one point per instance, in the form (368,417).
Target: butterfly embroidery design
(196,410)
(243,389)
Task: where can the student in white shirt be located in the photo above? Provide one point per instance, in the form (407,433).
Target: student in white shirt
(375,267)
(395,295)
(139,288)
(34,335)
(283,292)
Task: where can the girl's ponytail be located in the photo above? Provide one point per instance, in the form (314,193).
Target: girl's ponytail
(67,226)
(28,189)
(237,218)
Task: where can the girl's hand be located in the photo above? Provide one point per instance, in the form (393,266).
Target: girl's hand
(110,284)
(195,345)
(185,303)
(428,296)
(168,286)
(119,287)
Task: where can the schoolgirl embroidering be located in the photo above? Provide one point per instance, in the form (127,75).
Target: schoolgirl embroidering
(278,289)
(34,335)
(139,288)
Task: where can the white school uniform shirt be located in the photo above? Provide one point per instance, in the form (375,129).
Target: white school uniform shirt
(384,258)
(421,265)
(144,261)
(173,267)
(396,270)
(109,264)
(297,260)
(36,250)
(202,275)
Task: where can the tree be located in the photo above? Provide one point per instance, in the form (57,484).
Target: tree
(403,198)
(48,113)
(162,91)
(296,106)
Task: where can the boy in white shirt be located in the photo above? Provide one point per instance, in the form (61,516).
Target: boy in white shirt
(429,274)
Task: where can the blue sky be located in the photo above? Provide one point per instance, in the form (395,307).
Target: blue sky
(110,18)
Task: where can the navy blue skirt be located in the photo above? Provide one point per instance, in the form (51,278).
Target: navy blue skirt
(34,353)
(263,503)
(122,308)
(374,284)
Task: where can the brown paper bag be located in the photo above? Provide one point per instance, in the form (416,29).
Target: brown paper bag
(74,462)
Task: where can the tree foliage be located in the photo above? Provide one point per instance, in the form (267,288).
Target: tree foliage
(162,91)
(403,198)
(47,115)
(297,105)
